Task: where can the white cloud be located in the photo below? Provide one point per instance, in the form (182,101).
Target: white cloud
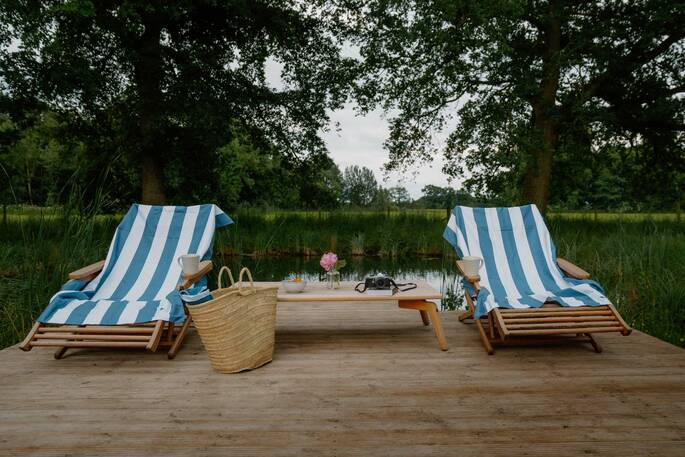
(359,141)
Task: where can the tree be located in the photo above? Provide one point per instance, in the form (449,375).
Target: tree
(167,79)
(399,196)
(382,199)
(522,81)
(324,187)
(438,197)
(359,186)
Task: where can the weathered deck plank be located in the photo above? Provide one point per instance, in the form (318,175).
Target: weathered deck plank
(351,379)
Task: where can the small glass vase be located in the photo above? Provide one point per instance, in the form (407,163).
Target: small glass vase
(333,279)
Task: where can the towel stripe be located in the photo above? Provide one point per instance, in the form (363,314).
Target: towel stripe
(519,259)
(141,272)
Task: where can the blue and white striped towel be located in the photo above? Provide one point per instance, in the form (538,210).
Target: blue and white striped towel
(138,281)
(519,257)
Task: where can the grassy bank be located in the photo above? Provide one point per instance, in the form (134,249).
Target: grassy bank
(639,260)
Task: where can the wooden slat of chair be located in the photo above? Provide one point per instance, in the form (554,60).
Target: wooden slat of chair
(146,335)
(93,337)
(98,329)
(557,331)
(93,344)
(561,318)
(562,325)
(549,323)
(557,309)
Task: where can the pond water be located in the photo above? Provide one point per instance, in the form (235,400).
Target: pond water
(438,272)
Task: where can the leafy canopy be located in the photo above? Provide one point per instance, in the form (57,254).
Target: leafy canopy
(171,81)
(504,79)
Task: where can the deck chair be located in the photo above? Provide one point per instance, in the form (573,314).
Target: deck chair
(133,298)
(524,293)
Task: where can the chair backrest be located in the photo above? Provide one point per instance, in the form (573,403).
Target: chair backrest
(142,260)
(518,253)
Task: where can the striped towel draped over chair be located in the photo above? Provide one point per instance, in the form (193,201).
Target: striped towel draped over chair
(520,263)
(138,281)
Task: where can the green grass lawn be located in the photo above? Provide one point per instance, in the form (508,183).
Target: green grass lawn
(639,259)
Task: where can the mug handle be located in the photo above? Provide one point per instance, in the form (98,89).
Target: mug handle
(481,262)
(178,260)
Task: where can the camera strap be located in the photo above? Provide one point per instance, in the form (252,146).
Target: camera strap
(407,286)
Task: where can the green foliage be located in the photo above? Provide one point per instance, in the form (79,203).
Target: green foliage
(399,196)
(515,83)
(165,83)
(447,197)
(359,187)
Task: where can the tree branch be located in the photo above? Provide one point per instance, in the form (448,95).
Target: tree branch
(635,59)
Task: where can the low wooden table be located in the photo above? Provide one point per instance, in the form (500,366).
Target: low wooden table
(416,299)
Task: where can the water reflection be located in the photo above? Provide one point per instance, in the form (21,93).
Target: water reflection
(438,272)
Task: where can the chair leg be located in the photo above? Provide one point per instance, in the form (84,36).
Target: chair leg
(170,333)
(594,343)
(26,344)
(155,336)
(484,338)
(59,353)
(179,338)
(465,315)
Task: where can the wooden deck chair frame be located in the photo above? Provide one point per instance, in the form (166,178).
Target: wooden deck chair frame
(150,336)
(549,324)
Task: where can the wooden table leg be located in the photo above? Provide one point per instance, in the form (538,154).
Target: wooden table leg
(432,311)
(424,317)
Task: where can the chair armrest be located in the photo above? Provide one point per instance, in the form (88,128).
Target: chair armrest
(188,280)
(572,270)
(473,280)
(88,272)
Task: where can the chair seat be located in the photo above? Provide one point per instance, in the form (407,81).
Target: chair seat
(552,320)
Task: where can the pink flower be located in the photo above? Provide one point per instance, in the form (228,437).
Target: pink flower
(328,261)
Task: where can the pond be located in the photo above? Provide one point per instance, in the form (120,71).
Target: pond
(439,272)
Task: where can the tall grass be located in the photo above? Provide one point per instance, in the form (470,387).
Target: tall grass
(36,255)
(351,233)
(639,261)
(641,265)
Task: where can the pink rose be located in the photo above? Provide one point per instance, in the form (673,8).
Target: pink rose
(328,261)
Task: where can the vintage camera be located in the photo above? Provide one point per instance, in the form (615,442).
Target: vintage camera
(379,283)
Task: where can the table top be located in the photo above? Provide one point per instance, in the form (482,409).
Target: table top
(317,291)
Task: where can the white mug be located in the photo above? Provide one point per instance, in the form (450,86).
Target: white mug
(472,265)
(190,263)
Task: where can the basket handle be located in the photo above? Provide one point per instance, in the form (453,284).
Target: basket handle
(230,276)
(240,282)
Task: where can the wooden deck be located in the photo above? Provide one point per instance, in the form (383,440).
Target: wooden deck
(351,379)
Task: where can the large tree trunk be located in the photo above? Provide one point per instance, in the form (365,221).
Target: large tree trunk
(148,78)
(537,179)
(153,182)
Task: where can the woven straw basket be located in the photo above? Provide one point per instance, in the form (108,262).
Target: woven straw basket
(237,326)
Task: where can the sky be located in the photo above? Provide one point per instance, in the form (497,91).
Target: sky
(358,140)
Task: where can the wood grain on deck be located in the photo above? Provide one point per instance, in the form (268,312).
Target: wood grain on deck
(349,379)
